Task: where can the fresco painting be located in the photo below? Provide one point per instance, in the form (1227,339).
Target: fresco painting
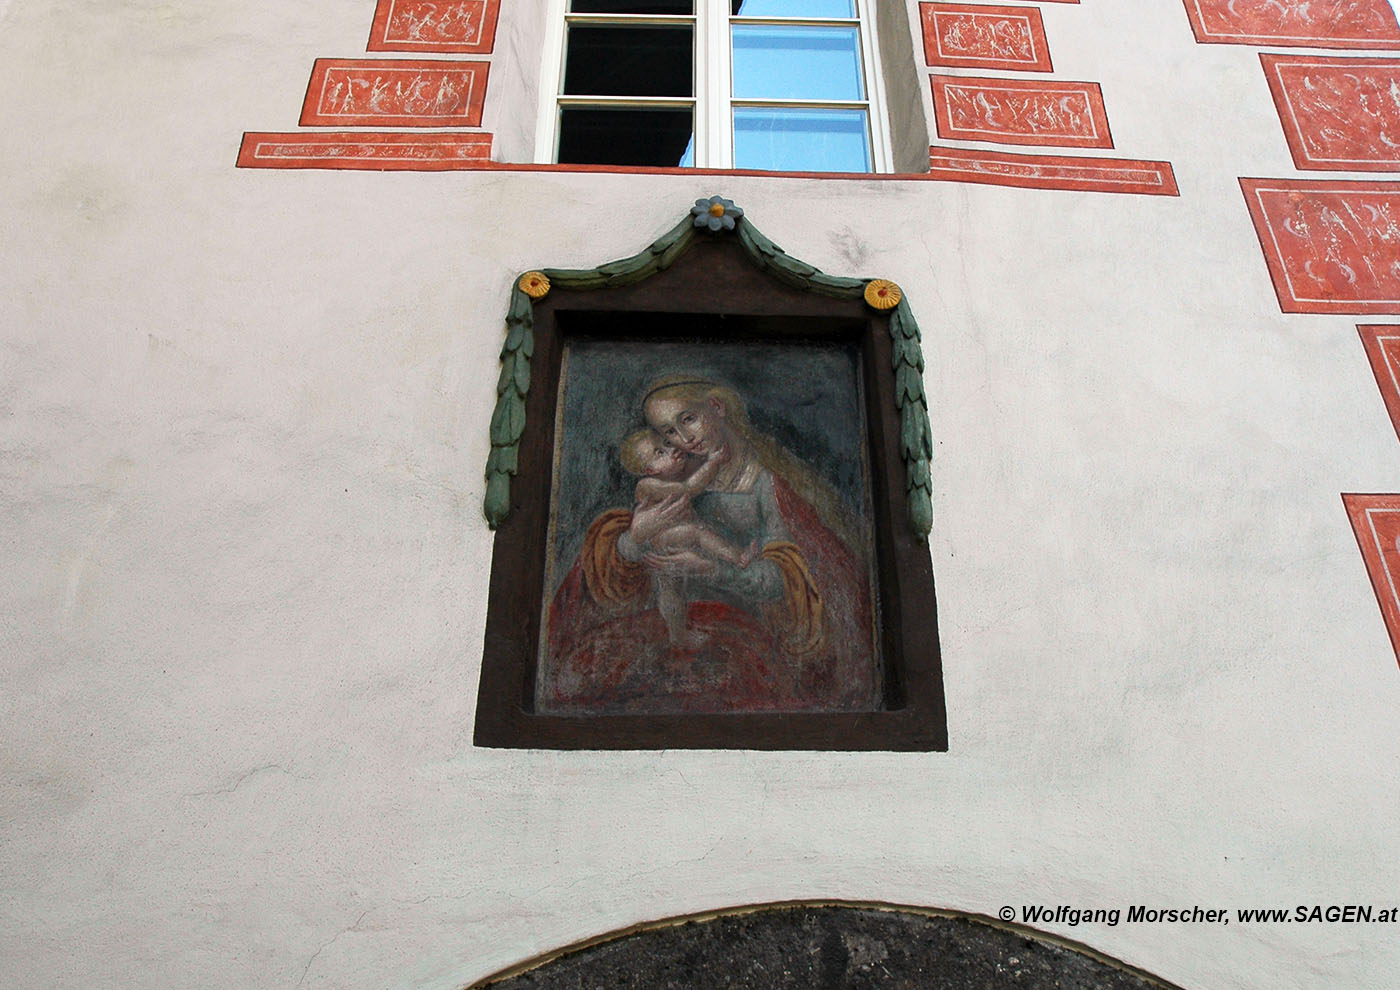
(1382,344)
(960,35)
(434,26)
(394,92)
(711,544)
(1331,246)
(1337,113)
(1311,24)
(1021,111)
(1376,521)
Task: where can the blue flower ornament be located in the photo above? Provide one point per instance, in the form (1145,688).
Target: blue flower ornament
(716,213)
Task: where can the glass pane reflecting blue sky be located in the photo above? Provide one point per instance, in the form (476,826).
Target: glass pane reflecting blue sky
(801,8)
(800,140)
(806,63)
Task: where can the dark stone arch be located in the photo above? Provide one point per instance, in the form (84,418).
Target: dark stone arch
(829,947)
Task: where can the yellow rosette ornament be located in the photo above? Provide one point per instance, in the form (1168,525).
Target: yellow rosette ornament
(534,284)
(881,293)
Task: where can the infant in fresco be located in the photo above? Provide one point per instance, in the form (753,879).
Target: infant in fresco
(664,471)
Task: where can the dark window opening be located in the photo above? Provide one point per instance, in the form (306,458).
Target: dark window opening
(659,138)
(619,60)
(673,7)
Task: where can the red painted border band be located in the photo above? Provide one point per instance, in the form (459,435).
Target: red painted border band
(1080,174)
(363,150)
(1145,178)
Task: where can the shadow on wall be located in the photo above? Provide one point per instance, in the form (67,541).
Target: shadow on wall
(826,946)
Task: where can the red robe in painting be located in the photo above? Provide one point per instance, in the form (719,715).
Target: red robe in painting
(607,650)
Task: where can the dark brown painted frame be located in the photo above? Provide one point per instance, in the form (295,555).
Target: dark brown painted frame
(714,279)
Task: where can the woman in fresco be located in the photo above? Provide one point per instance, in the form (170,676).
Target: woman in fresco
(791,630)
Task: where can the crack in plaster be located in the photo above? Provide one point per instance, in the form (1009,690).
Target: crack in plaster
(244,777)
(328,943)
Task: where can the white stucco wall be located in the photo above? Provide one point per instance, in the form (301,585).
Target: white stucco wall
(242,429)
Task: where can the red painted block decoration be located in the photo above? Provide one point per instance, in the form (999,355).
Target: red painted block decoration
(1338,113)
(434,26)
(1005,168)
(1382,345)
(1331,246)
(968,36)
(1375,519)
(380,93)
(1021,111)
(1307,23)
(363,150)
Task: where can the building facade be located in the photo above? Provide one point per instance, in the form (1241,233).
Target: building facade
(253,295)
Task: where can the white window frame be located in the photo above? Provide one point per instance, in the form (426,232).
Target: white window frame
(713,101)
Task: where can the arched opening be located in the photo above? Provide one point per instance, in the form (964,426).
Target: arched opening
(829,946)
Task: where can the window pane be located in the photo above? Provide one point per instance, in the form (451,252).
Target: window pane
(803,63)
(801,140)
(795,8)
(629,61)
(633,6)
(596,136)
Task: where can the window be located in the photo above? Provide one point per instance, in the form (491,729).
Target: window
(785,85)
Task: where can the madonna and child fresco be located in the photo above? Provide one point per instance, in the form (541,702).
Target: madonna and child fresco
(710,547)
